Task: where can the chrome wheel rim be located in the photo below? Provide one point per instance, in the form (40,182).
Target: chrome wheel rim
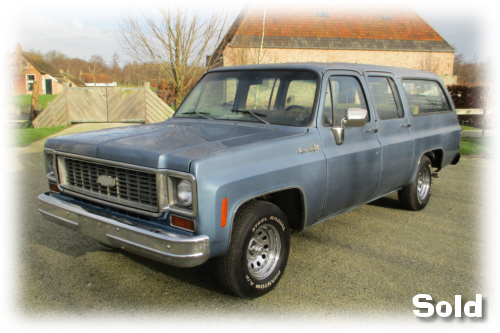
(263,252)
(423,184)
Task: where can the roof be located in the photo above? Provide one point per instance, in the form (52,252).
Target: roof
(321,67)
(100,78)
(42,66)
(76,81)
(397,28)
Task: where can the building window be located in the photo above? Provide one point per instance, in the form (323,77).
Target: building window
(323,14)
(30,79)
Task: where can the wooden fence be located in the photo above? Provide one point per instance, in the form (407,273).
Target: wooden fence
(104,104)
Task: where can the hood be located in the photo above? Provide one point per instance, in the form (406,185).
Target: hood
(172,144)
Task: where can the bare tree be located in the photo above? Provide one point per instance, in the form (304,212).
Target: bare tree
(116,70)
(96,65)
(176,40)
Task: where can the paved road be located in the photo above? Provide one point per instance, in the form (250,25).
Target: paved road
(370,261)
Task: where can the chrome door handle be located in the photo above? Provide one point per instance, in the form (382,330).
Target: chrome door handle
(406,125)
(373,130)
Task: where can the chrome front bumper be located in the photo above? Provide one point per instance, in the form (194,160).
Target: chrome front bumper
(172,249)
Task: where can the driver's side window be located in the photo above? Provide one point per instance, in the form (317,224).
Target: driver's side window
(344,92)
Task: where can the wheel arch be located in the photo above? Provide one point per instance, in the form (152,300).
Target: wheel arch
(435,156)
(291,200)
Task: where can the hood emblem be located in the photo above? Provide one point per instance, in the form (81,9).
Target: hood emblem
(314,149)
(106,181)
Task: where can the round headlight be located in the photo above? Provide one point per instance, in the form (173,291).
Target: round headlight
(184,193)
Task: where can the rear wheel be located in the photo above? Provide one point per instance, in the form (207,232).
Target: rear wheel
(416,195)
(258,252)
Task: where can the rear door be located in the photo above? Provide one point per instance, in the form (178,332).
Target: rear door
(394,132)
(353,167)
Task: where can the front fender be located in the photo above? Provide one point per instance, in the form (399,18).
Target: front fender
(243,174)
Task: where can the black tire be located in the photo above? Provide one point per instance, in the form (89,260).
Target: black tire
(260,239)
(416,195)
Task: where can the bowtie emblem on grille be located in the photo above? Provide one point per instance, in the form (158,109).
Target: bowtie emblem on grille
(106,181)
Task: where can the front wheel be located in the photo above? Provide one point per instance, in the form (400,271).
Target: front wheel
(416,195)
(258,252)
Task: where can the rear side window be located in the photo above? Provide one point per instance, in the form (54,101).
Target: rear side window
(386,98)
(425,97)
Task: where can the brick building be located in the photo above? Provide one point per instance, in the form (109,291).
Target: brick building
(394,36)
(26,68)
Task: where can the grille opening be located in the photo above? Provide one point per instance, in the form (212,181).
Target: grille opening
(132,186)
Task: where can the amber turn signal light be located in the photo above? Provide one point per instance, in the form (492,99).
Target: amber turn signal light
(54,188)
(183,223)
(223,214)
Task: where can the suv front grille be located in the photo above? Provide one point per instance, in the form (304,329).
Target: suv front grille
(134,188)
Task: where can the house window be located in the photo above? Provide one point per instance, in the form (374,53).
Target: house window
(30,79)
(323,14)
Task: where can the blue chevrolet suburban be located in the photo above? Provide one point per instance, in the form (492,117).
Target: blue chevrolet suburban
(252,154)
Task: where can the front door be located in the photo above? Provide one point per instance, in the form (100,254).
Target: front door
(48,86)
(353,167)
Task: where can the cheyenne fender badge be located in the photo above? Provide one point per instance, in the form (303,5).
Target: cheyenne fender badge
(314,149)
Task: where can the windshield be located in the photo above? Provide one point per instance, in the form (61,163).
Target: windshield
(273,97)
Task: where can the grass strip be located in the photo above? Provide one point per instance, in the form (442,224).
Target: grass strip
(24,101)
(470,128)
(23,137)
(475,146)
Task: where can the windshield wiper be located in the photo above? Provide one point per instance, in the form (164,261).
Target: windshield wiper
(255,114)
(200,113)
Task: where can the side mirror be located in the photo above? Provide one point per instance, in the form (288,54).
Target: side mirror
(355,118)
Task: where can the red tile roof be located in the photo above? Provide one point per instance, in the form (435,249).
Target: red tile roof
(404,23)
(327,27)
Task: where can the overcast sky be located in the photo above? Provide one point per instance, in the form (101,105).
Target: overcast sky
(78,29)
